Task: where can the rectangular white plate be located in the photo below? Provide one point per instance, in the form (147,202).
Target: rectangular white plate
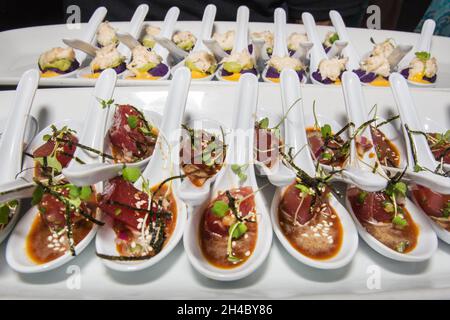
(280,276)
(22,48)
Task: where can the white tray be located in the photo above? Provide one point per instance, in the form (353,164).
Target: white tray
(280,276)
(22,48)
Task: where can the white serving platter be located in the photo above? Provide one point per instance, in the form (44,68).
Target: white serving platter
(23,47)
(369,275)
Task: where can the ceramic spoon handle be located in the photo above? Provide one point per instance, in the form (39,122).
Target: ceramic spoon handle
(426,35)
(408,114)
(12,141)
(241,40)
(167,29)
(167,144)
(95,121)
(134,27)
(349,51)
(241,147)
(280,46)
(317,51)
(295,124)
(206,27)
(92,26)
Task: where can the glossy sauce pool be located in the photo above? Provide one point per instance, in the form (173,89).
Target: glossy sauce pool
(37,243)
(320,238)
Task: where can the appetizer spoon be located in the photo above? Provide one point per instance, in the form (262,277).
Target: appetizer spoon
(426,241)
(90,135)
(241,24)
(360,171)
(240,152)
(241,38)
(190,193)
(317,51)
(297,139)
(205,33)
(166,31)
(94,127)
(160,167)
(419,153)
(349,50)
(87,37)
(423,44)
(279,45)
(12,142)
(134,28)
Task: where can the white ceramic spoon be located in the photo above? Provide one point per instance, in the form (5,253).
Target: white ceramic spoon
(242,17)
(94,129)
(297,139)
(241,38)
(240,152)
(87,37)
(205,33)
(134,28)
(12,142)
(360,171)
(190,193)
(427,241)
(90,135)
(317,52)
(423,44)
(166,31)
(161,166)
(279,45)
(349,50)
(425,158)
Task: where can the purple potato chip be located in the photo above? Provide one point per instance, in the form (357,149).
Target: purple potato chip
(252,70)
(326,48)
(159,71)
(75,65)
(318,77)
(301,74)
(365,77)
(272,73)
(432,79)
(228,51)
(225,73)
(291,52)
(118,69)
(405,73)
(250,48)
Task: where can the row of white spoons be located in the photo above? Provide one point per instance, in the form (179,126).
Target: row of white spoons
(160,168)
(310,53)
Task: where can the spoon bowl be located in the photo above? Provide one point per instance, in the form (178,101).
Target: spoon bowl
(239,153)
(296,138)
(160,167)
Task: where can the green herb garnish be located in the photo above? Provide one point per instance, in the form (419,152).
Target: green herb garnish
(131,174)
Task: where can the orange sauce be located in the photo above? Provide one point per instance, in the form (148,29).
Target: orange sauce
(37,242)
(312,239)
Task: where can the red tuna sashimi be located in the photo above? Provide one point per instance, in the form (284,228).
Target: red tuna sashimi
(215,224)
